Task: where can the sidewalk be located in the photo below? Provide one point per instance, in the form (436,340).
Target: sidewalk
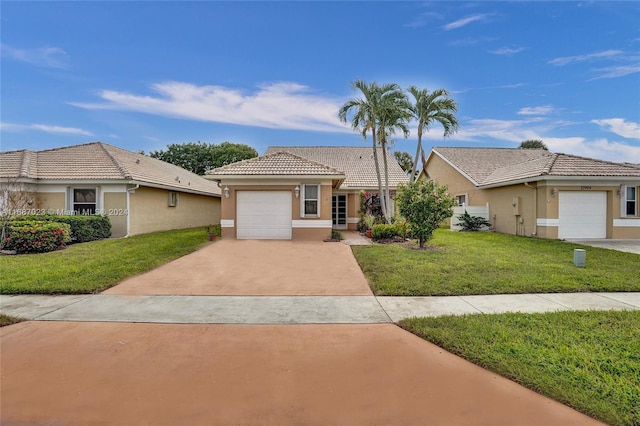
(295,309)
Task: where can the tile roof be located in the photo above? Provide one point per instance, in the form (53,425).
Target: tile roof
(276,163)
(98,161)
(493,166)
(356,162)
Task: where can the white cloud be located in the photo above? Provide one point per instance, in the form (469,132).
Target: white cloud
(493,132)
(616,71)
(465,21)
(283,105)
(620,127)
(48,57)
(57,130)
(423,19)
(539,110)
(606,54)
(600,149)
(507,51)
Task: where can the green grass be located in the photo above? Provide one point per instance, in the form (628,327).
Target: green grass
(463,263)
(8,320)
(587,360)
(95,266)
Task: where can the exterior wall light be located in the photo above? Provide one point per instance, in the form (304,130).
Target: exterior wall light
(226,192)
(620,190)
(297,191)
(554,192)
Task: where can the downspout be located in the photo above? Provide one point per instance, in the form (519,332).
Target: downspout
(129,191)
(535,208)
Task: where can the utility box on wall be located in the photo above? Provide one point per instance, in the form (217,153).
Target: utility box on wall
(516,206)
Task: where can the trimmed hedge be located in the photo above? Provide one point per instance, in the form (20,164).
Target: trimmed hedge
(36,236)
(383,231)
(83,228)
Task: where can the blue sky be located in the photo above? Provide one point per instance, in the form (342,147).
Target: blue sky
(142,75)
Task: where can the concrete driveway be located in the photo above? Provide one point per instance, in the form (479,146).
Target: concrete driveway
(255,268)
(169,374)
(77,373)
(630,246)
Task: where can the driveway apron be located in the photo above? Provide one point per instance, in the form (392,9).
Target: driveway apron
(171,374)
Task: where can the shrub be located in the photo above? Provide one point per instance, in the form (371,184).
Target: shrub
(425,205)
(83,227)
(383,231)
(336,235)
(472,223)
(402,228)
(36,236)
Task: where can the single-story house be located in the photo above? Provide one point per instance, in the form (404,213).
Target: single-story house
(538,193)
(297,192)
(140,194)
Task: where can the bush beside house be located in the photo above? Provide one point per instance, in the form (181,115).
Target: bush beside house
(45,233)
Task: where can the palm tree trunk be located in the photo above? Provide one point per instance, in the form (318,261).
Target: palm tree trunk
(377,164)
(412,178)
(387,198)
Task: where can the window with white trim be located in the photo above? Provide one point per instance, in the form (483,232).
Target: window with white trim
(84,201)
(310,200)
(630,202)
(461,199)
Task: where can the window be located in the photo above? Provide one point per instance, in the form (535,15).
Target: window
(630,201)
(461,199)
(84,201)
(173,199)
(311,201)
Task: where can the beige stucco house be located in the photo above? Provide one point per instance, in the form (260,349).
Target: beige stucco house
(538,193)
(299,193)
(140,194)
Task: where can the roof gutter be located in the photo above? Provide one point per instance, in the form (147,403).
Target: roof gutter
(128,207)
(535,208)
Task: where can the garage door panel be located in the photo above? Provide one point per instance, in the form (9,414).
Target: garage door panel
(582,214)
(263,215)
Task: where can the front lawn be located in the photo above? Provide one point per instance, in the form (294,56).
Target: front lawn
(95,266)
(587,360)
(463,263)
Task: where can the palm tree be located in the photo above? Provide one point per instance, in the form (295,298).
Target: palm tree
(380,110)
(429,107)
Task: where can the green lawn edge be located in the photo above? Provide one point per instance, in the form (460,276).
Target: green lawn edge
(472,263)
(589,360)
(97,265)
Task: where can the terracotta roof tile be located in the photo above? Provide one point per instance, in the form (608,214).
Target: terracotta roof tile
(356,162)
(277,163)
(491,166)
(98,161)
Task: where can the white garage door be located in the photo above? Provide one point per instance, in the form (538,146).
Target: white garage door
(263,215)
(582,214)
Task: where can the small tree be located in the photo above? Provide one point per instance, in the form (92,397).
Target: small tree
(14,200)
(404,159)
(425,205)
(533,144)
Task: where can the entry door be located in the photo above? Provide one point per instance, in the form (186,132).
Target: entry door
(339,210)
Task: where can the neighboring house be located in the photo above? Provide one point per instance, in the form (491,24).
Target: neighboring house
(538,193)
(139,194)
(298,192)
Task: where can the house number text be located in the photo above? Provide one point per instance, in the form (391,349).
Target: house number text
(585,188)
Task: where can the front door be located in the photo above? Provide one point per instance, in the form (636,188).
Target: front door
(339,209)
